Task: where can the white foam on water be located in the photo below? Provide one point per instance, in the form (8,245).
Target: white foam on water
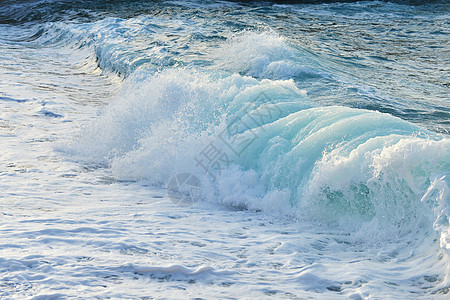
(262,54)
(339,165)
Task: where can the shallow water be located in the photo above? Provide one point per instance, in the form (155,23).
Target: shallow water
(318,134)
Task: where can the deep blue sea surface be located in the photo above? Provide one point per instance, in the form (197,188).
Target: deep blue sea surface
(304,145)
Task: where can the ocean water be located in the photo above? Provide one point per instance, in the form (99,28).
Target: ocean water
(224,149)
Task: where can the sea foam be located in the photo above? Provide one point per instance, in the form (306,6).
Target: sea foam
(363,171)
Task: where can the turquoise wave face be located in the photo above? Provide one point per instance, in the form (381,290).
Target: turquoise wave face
(262,144)
(288,120)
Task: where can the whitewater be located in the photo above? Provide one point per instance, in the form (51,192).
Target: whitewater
(224,150)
